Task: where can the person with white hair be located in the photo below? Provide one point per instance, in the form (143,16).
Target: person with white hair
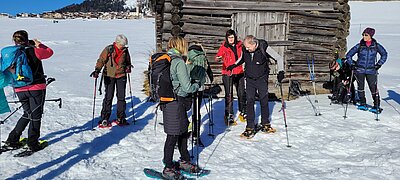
(116,61)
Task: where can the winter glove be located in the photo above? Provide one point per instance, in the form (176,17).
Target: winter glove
(353,65)
(280,76)
(95,74)
(230,68)
(377,66)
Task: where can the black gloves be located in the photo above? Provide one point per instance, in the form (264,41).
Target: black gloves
(95,74)
(353,65)
(280,76)
(377,66)
(230,68)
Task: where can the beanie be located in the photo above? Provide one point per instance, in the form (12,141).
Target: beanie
(370,31)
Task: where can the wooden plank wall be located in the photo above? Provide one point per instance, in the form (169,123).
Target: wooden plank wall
(317,27)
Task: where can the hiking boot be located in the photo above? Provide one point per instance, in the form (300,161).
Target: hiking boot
(104,123)
(248,133)
(13,145)
(35,148)
(170,173)
(121,122)
(268,129)
(197,141)
(188,167)
(243,117)
(229,121)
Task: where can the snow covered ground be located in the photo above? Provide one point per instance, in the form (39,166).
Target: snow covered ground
(323,147)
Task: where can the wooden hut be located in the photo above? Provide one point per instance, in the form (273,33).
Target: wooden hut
(295,28)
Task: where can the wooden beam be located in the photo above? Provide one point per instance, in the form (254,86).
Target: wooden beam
(259,6)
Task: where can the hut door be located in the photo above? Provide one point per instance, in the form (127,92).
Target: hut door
(271,26)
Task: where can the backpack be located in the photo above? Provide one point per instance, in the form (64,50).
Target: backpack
(295,89)
(15,56)
(161,89)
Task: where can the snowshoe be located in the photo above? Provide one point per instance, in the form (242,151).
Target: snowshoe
(190,169)
(362,107)
(248,133)
(121,122)
(171,173)
(9,146)
(104,124)
(376,110)
(268,129)
(32,149)
(229,121)
(242,117)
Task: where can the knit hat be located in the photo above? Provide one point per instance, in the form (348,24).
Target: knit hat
(370,31)
(121,40)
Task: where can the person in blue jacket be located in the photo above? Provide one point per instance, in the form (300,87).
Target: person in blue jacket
(366,67)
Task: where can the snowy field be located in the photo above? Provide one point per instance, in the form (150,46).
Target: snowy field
(323,147)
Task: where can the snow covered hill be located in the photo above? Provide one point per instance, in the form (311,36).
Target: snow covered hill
(323,147)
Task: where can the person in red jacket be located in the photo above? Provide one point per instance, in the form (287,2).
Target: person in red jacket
(229,52)
(33,95)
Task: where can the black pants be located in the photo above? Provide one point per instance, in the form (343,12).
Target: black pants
(169,146)
(373,87)
(252,86)
(238,82)
(196,116)
(341,90)
(32,103)
(110,84)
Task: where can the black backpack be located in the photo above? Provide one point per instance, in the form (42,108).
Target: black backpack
(161,89)
(295,89)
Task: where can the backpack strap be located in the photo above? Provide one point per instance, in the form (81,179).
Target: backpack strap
(109,54)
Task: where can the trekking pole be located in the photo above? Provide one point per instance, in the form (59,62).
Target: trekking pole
(130,92)
(348,93)
(230,100)
(209,110)
(284,115)
(19,107)
(193,119)
(198,128)
(312,78)
(94,101)
(378,109)
(315,92)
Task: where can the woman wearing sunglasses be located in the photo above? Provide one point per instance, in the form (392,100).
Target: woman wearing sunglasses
(366,67)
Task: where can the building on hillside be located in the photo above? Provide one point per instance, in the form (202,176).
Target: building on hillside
(297,29)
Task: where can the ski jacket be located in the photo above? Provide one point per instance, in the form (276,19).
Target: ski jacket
(257,62)
(367,57)
(114,63)
(229,58)
(35,55)
(197,66)
(181,81)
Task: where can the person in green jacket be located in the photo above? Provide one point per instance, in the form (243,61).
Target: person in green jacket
(197,64)
(175,113)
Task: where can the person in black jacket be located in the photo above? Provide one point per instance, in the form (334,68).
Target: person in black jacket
(342,72)
(256,56)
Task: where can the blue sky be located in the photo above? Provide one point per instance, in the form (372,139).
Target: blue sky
(33,6)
